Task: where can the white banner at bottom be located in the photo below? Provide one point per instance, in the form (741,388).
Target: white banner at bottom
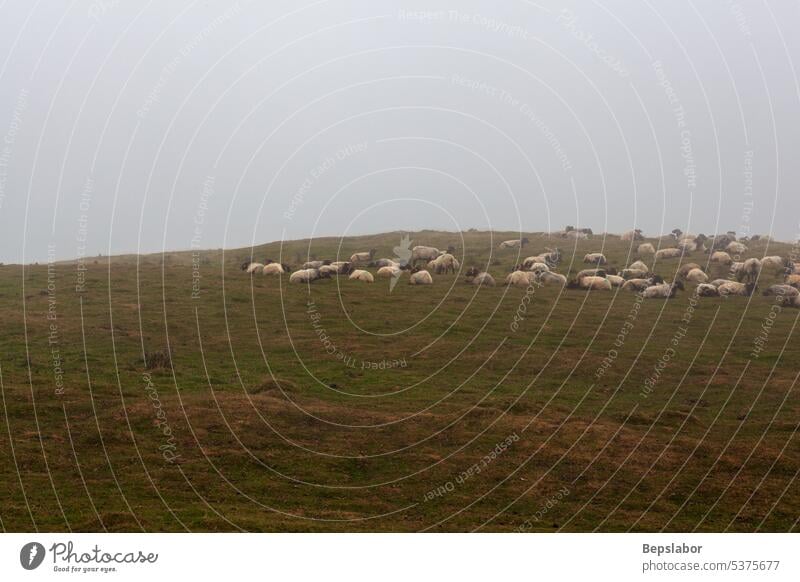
(401,557)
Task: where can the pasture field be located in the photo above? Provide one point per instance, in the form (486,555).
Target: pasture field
(140,403)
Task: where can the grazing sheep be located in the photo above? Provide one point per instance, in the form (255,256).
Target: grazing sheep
(634,273)
(735,288)
(646,249)
(576,234)
(359,258)
(706,290)
(783,291)
(305,276)
(595,259)
(668,254)
(750,271)
(274,269)
(420,253)
(616,280)
(520,278)
(361,275)
(639,266)
(721,257)
(384,263)
(637,285)
(632,235)
(591,284)
(253,267)
(736,248)
(420,278)
(388,272)
(536,267)
(696,276)
(685,269)
(662,291)
(514,244)
(776,263)
(445,263)
(550,278)
(484,280)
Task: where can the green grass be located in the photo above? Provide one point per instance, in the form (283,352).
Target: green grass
(275,434)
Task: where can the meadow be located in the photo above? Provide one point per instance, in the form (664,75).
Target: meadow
(173,392)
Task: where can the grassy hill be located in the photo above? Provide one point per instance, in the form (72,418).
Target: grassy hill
(173,392)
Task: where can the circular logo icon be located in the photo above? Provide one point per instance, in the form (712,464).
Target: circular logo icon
(31,555)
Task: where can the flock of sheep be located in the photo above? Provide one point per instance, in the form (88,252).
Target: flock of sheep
(724,250)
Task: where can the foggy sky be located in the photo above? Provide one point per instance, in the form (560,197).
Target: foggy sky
(141,127)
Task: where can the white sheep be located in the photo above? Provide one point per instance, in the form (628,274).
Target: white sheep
(537,267)
(632,235)
(782,292)
(253,267)
(736,248)
(637,285)
(388,272)
(520,278)
(646,249)
(359,258)
(662,290)
(592,283)
(304,276)
(420,278)
(696,276)
(775,263)
(793,280)
(616,280)
(514,243)
(735,288)
(595,259)
(484,280)
(668,254)
(751,270)
(445,263)
(706,290)
(421,253)
(273,269)
(721,257)
(550,278)
(361,275)
(639,266)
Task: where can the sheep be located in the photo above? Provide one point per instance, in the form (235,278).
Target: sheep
(637,285)
(634,273)
(359,258)
(253,267)
(471,273)
(420,253)
(736,248)
(536,267)
(639,266)
(662,290)
(595,259)
(384,263)
(575,234)
(420,278)
(706,290)
(315,264)
(342,267)
(751,270)
(445,263)
(361,275)
(776,263)
(305,276)
(327,270)
(590,273)
(687,245)
(734,288)
(550,278)
(388,272)
(519,278)
(591,284)
(484,280)
(685,269)
(721,257)
(668,253)
(632,235)
(793,280)
(718,282)
(783,292)
(514,243)
(646,249)
(696,276)
(274,269)
(616,280)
